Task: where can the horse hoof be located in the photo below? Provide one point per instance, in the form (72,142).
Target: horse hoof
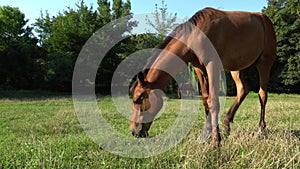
(216,139)
(205,138)
(262,129)
(261,133)
(226,128)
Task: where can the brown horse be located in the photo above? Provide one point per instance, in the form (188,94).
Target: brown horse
(237,40)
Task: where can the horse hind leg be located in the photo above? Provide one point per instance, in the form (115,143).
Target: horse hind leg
(264,73)
(242,91)
(264,66)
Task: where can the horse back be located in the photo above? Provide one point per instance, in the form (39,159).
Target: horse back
(239,37)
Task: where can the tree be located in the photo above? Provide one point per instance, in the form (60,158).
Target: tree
(286,19)
(118,52)
(43,27)
(104,11)
(120,9)
(62,38)
(18,51)
(12,22)
(163,21)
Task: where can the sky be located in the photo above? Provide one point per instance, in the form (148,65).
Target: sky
(183,8)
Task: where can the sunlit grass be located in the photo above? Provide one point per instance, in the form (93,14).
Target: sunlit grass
(37,132)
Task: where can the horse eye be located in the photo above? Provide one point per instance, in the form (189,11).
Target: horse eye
(139,100)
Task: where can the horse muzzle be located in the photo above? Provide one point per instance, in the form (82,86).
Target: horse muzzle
(140,134)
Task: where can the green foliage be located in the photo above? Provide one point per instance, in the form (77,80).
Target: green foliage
(62,37)
(163,21)
(120,9)
(286,19)
(18,51)
(104,11)
(12,22)
(120,50)
(45,59)
(43,27)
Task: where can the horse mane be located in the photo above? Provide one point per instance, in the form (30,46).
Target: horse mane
(151,60)
(184,28)
(156,53)
(199,16)
(203,15)
(197,19)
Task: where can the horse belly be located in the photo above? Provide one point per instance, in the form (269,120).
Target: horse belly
(240,59)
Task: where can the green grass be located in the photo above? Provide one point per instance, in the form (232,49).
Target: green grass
(41,130)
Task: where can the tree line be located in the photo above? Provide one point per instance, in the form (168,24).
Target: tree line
(42,55)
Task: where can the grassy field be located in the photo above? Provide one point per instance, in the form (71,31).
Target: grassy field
(41,130)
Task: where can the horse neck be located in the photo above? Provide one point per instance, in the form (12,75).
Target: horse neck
(166,66)
(158,79)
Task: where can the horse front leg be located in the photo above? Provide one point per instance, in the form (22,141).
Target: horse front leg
(214,108)
(203,80)
(213,71)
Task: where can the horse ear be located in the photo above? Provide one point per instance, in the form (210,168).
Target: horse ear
(133,86)
(141,78)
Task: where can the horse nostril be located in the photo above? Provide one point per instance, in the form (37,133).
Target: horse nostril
(143,134)
(137,135)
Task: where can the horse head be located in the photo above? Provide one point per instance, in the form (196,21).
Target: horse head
(146,103)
